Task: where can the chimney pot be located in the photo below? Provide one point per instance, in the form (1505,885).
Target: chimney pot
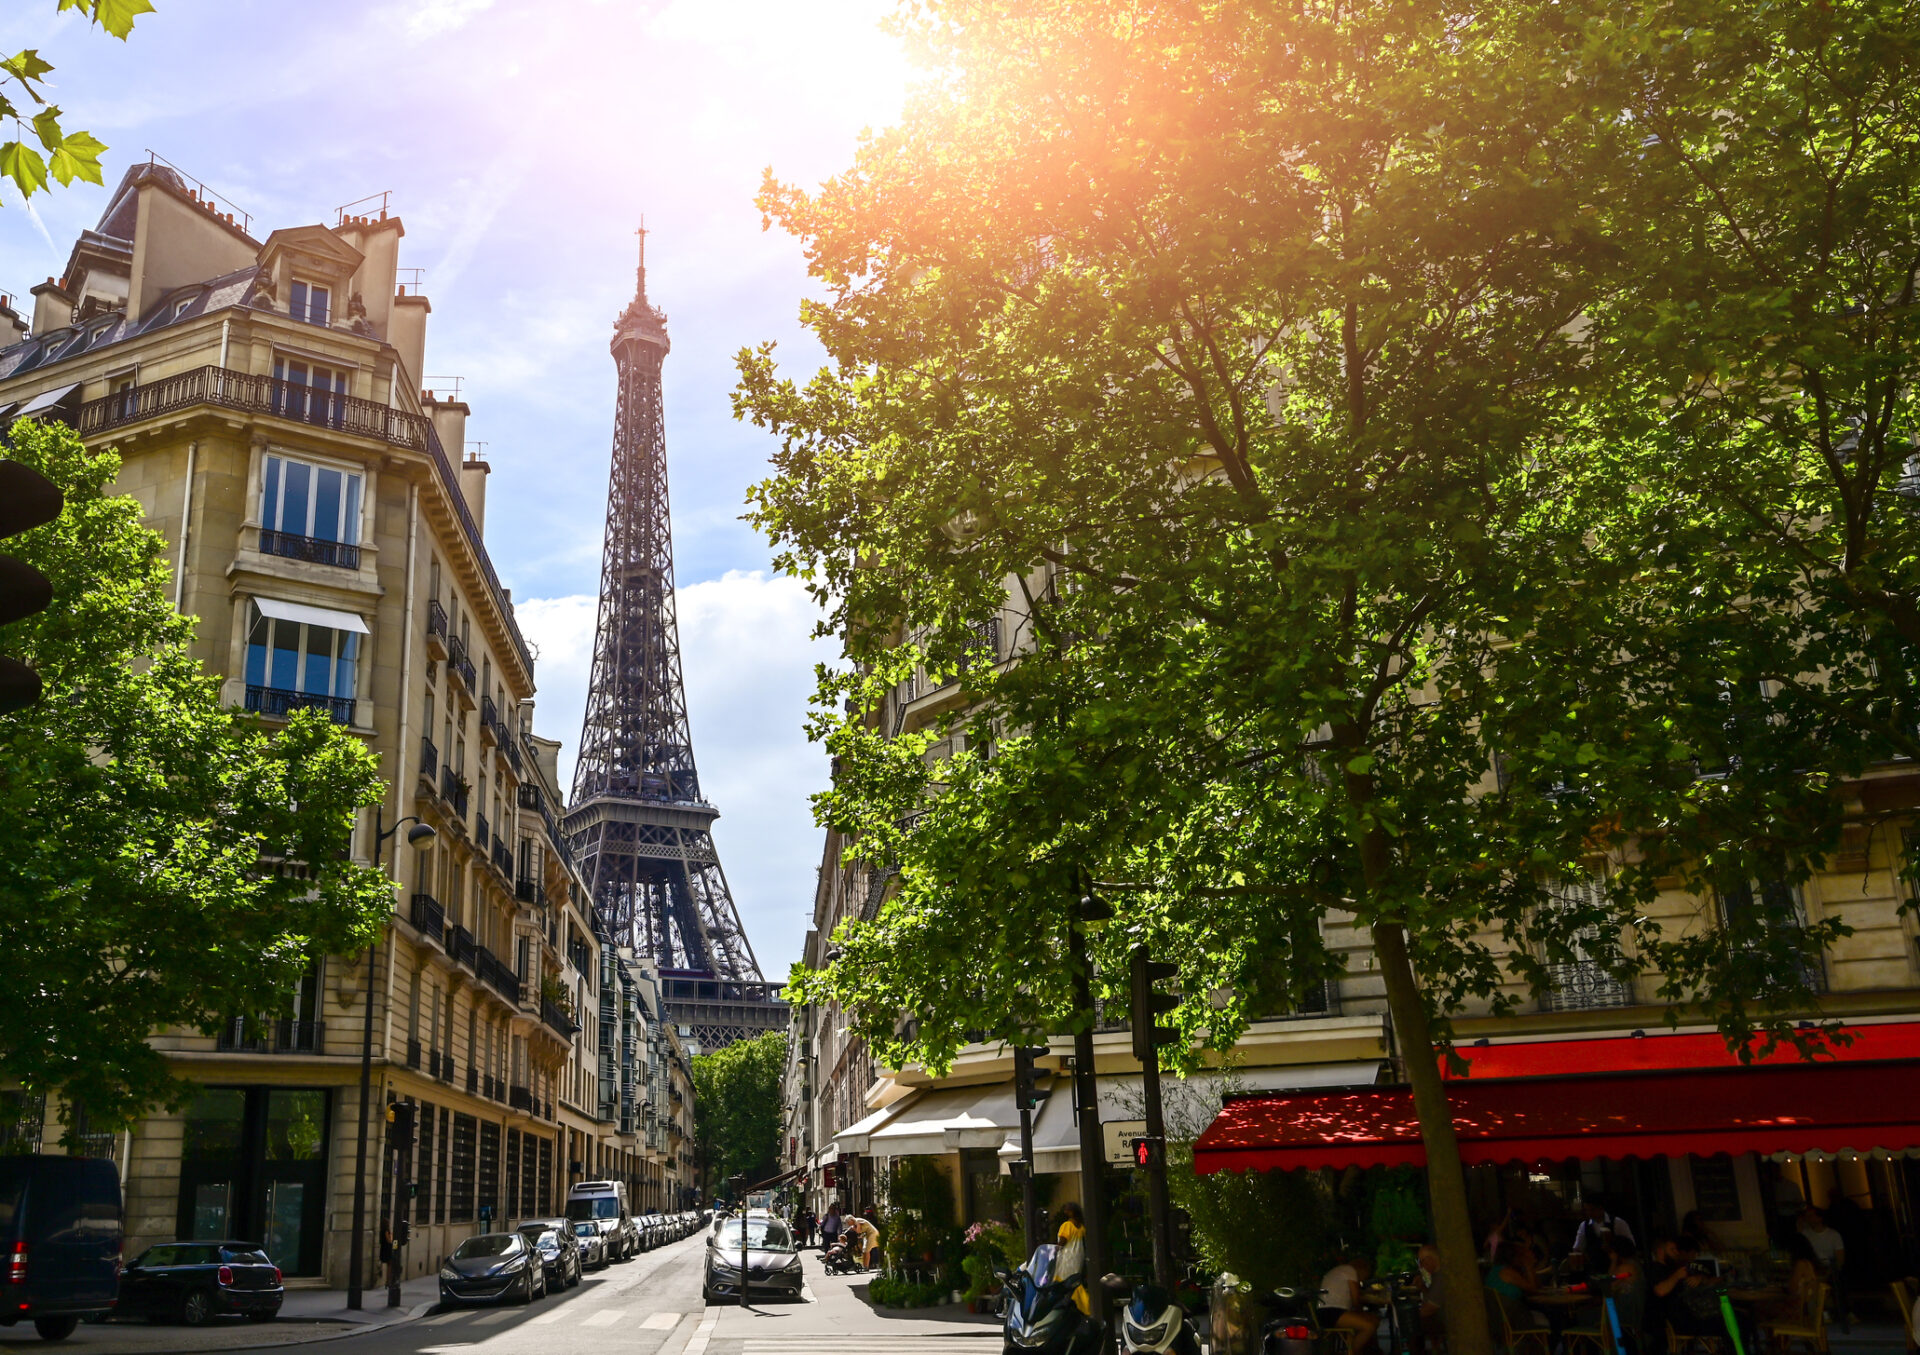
(403,287)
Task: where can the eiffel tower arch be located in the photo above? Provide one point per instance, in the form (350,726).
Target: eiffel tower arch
(638,823)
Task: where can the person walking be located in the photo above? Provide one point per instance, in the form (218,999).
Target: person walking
(830,1227)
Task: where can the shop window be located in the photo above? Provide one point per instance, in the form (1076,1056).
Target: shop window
(310,511)
(489,1175)
(294,664)
(465,1140)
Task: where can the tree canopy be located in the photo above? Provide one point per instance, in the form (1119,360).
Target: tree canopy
(737,1109)
(170,860)
(64,155)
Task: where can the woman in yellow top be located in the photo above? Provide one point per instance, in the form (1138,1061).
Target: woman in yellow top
(1073,1229)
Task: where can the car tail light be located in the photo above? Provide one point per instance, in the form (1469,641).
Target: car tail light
(17,1264)
(276,1274)
(1298,1333)
(225,1275)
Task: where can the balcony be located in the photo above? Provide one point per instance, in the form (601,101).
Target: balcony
(520,1099)
(454,791)
(429,918)
(530,797)
(473,1081)
(429,760)
(526,890)
(480,831)
(555,1016)
(461,667)
(460,945)
(489,720)
(279,702)
(502,858)
(413,1053)
(309,548)
(490,971)
(436,630)
(511,747)
(1583,986)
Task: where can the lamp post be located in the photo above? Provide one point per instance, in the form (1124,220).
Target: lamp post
(418,835)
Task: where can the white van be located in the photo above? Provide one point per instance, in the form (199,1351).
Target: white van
(604,1204)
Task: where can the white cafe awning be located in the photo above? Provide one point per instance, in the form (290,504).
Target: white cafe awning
(853,1139)
(313,616)
(1056,1134)
(46,399)
(948,1120)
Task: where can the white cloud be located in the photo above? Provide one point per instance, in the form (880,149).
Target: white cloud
(430,18)
(749,670)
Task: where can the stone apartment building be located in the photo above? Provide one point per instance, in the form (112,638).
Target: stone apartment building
(847,1117)
(326,527)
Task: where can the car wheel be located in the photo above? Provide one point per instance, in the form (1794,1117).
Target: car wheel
(196,1308)
(526,1291)
(55,1328)
(577,1269)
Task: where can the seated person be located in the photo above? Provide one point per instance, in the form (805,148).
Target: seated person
(1628,1285)
(1431,1323)
(1803,1280)
(1678,1298)
(1340,1302)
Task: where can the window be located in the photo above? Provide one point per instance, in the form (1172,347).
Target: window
(291,664)
(310,303)
(310,511)
(309,392)
(180,306)
(1583,984)
(1766,925)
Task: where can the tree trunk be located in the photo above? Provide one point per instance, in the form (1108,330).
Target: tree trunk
(1463,1304)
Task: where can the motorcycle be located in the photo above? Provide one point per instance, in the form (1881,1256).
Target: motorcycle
(1040,1312)
(1153,1323)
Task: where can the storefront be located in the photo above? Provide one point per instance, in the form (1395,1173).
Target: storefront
(253,1165)
(1657,1127)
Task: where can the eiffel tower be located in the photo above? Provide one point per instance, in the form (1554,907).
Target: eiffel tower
(638,824)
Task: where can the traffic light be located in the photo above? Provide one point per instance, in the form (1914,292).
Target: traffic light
(402,1231)
(1093,912)
(27,500)
(1147,1005)
(1026,1096)
(1147,1152)
(400,1126)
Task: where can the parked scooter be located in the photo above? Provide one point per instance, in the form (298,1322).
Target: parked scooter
(1288,1329)
(1040,1312)
(1153,1323)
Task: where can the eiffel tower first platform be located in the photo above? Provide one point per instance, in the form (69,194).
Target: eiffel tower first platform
(638,824)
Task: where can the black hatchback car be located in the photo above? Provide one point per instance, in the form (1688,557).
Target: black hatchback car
(493,1268)
(195,1281)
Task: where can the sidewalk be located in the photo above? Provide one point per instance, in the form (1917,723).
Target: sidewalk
(306,1316)
(839,1318)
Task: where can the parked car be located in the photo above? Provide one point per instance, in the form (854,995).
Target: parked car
(192,1282)
(60,1240)
(604,1204)
(773,1262)
(559,1249)
(493,1268)
(593,1247)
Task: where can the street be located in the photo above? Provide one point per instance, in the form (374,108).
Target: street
(649,1306)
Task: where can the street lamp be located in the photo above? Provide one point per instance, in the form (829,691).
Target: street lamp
(417,836)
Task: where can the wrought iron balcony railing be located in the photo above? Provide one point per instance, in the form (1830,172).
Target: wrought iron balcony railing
(429,918)
(459,664)
(413,1053)
(480,831)
(269,1035)
(530,796)
(473,1080)
(489,717)
(1584,986)
(502,857)
(429,758)
(278,701)
(460,945)
(453,791)
(299,1037)
(520,1098)
(309,548)
(526,890)
(555,1015)
(436,620)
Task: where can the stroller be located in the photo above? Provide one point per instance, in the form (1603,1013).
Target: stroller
(843,1257)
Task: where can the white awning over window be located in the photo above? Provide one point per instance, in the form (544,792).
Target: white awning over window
(46,399)
(1056,1134)
(312,616)
(853,1139)
(948,1120)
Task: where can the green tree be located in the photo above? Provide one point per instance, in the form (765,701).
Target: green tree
(1271,332)
(64,155)
(737,1109)
(169,861)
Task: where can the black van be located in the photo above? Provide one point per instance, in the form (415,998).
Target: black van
(60,1238)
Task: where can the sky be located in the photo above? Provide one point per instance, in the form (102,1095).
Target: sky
(523,141)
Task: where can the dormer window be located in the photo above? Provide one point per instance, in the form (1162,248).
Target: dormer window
(310,303)
(180,306)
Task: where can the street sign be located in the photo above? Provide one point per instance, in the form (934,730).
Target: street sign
(1119,1136)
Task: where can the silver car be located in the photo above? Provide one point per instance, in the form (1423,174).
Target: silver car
(772,1261)
(593,1247)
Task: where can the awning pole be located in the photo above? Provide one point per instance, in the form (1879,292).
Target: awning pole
(1093,1149)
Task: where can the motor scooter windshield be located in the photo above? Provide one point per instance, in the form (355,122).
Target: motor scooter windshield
(1040,1266)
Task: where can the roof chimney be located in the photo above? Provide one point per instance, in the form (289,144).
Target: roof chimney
(52,307)
(12,328)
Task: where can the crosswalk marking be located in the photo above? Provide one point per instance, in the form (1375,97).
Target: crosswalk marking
(551,1315)
(498,1315)
(445,1318)
(606,1317)
(661,1322)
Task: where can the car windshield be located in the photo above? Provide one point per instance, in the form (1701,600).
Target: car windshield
(585,1230)
(604,1207)
(487,1244)
(762,1235)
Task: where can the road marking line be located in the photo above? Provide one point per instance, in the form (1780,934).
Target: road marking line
(499,1316)
(445,1318)
(606,1317)
(551,1315)
(697,1345)
(661,1322)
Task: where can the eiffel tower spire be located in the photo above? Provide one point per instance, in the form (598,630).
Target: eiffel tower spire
(638,823)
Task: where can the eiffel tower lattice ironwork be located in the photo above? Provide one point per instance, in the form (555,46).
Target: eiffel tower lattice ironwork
(638,825)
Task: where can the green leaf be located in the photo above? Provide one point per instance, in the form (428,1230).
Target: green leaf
(117,16)
(24,165)
(78,157)
(1361,765)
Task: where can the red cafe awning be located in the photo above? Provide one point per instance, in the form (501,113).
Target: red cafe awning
(1773,1107)
(1660,1049)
